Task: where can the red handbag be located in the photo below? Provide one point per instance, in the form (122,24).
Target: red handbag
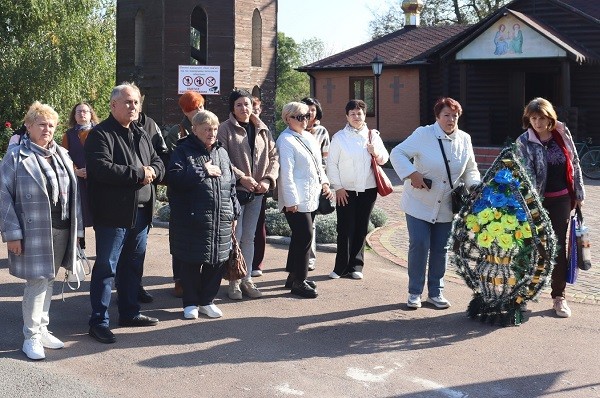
(384,185)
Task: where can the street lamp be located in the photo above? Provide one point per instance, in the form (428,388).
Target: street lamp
(377,66)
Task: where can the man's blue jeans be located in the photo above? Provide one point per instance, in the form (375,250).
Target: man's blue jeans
(124,248)
(426,240)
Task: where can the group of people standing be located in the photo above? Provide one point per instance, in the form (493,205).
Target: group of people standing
(218,175)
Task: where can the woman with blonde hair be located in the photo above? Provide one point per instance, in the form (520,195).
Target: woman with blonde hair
(549,155)
(40,221)
(301,182)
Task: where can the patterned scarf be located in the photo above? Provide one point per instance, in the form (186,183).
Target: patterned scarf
(58,180)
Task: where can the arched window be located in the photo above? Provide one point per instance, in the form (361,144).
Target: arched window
(256,38)
(198,45)
(139,39)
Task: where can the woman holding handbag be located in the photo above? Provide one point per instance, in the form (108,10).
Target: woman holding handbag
(41,221)
(420,161)
(351,174)
(301,183)
(548,153)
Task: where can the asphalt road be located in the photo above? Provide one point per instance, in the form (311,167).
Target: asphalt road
(357,338)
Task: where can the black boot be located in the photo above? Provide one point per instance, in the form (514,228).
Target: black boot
(303,289)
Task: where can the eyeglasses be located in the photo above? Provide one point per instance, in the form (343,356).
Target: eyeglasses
(301,117)
(82,111)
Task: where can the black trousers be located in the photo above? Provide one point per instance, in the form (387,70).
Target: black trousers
(200,282)
(559,211)
(302,230)
(352,228)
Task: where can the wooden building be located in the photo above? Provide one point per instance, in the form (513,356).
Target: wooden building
(154,37)
(530,48)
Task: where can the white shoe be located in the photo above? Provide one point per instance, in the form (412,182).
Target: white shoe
(333,275)
(49,341)
(439,301)
(256,272)
(234,292)
(414,301)
(357,275)
(312,264)
(33,348)
(561,308)
(211,310)
(190,312)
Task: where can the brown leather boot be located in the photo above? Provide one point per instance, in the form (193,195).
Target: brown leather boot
(178,290)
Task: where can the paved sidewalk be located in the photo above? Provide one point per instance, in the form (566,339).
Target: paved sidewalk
(391,241)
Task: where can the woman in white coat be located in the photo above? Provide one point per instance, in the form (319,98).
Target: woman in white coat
(351,175)
(301,181)
(426,199)
(40,220)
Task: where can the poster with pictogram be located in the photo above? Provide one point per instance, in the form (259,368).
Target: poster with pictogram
(204,79)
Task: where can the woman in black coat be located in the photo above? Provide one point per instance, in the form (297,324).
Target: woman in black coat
(204,208)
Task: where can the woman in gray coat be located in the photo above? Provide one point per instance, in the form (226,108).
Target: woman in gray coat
(40,219)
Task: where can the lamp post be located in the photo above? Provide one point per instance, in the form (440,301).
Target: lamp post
(377,66)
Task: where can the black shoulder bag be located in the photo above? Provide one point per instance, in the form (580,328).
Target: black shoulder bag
(459,195)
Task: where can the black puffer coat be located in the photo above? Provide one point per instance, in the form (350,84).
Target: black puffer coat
(203,208)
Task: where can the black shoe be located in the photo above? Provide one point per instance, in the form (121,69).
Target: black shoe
(290,280)
(102,334)
(144,296)
(139,320)
(303,289)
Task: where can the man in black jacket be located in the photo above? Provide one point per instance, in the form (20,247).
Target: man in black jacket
(121,166)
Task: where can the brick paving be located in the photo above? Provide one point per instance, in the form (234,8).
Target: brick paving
(391,241)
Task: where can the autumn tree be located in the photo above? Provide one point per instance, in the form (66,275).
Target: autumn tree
(59,52)
(291,84)
(435,12)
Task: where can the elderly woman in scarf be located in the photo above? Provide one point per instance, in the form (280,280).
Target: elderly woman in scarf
(40,221)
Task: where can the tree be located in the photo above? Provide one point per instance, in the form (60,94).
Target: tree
(312,50)
(59,52)
(291,84)
(435,12)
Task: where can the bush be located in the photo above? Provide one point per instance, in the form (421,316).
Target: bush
(161,193)
(378,217)
(276,223)
(326,228)
(271,204)
(164,213)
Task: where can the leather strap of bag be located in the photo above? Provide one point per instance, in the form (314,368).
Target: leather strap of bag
(446,163)
(312,156)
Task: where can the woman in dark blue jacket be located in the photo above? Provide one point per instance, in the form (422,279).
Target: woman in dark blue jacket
(204,208)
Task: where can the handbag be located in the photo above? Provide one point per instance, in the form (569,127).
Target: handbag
(572,267)
(584,252)
(81,269)
(384,185)
(244,197)
(235,267)
(325,205)
(459,194)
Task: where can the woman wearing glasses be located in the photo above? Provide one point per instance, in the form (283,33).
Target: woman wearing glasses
(349,170)
(301,182)
(81,120)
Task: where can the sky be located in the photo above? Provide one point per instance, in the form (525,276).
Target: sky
(340,24)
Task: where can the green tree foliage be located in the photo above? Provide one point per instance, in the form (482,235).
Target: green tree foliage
(59,52)
(312,50)
(291,84)
(435,12)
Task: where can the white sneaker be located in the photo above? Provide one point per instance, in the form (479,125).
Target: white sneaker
(439,301)
(256,272)
(190,312)
(312,264)
(249,289)
(357,275)
(333,275)
(33,348)
(234,292)
(49,341)
(211,310)
(414,301)
(561,308)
